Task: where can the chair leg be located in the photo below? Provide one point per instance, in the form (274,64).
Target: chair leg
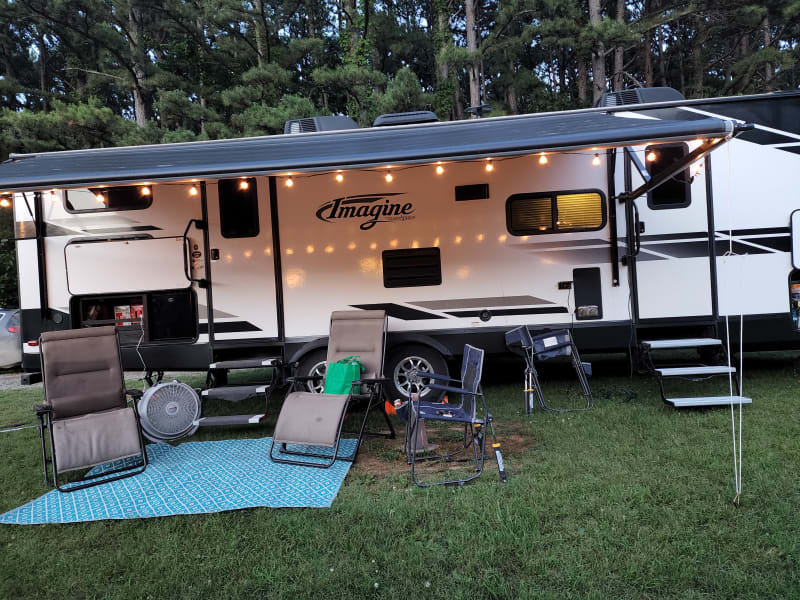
(44,451)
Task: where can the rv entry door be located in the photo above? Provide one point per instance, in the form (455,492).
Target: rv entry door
(242,266)
(669,231)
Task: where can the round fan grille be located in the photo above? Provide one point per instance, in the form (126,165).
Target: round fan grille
(169,411)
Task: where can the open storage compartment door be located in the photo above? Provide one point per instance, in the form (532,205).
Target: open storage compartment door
(113,266)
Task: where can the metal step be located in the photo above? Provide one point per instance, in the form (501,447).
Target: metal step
(234,393)
(689,371)
(708,401)
(246,363)
(685,343)
(229,420)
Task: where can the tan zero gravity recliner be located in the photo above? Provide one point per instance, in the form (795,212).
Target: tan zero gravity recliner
(85,407)
(313,419)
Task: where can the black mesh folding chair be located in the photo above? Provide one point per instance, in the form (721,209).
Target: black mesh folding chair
(465,413)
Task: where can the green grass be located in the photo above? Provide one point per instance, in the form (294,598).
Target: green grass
(630,500)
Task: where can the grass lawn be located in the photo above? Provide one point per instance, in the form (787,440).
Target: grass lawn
(630,500)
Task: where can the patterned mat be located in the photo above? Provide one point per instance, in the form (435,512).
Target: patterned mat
(194,478)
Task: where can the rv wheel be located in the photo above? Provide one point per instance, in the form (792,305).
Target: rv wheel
(313,363)
(405,369)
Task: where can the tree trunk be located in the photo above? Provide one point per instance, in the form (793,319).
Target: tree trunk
(583,78)
(769,72)
(618,80)
(142,98)
(647,46)
(598,54)
(698,66)
(472,45)
(262,43)
(351,16)
(43,85)
(662,63)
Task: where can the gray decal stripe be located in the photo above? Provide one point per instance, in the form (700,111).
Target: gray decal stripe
(562,244)
(398,311)
(456,303)
(511,311)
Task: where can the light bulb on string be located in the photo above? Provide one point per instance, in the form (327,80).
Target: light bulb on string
(289,182)
(389,178)
(652,156)
(542,159)
(5,203)
(145,190)
(596,160)
(193,191)
(439,168)
(489,166)
(244,185)
(100,198)
(339,177)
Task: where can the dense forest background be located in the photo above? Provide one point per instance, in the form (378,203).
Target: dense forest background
(90,73)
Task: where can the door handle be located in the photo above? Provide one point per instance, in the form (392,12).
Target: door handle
(200,225)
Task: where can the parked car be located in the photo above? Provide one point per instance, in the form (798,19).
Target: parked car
(10,345)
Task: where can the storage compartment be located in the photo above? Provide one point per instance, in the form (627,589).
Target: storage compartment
(152,317)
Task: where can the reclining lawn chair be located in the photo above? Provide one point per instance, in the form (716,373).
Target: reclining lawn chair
(469,388)
(85,408)
(314,419)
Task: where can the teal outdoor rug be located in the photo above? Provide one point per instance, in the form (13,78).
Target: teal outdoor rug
(194,478)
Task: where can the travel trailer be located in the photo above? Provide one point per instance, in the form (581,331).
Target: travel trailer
(609,221)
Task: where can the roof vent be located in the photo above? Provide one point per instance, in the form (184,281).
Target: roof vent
(310,124)
(406,118)
(640,96)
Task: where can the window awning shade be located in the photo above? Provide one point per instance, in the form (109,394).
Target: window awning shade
(355,148)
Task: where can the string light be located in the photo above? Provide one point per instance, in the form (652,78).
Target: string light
(244,184)
(145,191)
(289,182)
(339,177)
(542,158)
(193,191)
(652,156)
(596,160)
(389,177)
(439,169)
(100,198)
(4,203)
(489,166)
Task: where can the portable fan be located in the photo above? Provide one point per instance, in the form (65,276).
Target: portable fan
(169,411)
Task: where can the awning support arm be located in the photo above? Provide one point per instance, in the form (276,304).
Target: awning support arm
(637,163)
(676,168)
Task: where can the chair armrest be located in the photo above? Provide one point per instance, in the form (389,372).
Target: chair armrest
(455,390)
(42,409)
(303,378)
(436,376)
(134,394)
(372,381)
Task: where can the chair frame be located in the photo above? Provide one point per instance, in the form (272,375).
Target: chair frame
(377,392)
(44,413)
(474,429)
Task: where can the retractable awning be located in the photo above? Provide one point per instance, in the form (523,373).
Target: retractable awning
(355,148)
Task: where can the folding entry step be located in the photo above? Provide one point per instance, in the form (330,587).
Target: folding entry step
(218,371)
(692,372)
(686,343)
(708,401)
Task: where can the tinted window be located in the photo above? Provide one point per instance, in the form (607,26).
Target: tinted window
(129,197)
(238,207)
(675,192)
(555,212)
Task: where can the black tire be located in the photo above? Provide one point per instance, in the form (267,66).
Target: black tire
(405,358)
(312,364)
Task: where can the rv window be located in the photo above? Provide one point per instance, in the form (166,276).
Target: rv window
(412,267)
(238,208)
(127,197)
(676,192)
(555,212)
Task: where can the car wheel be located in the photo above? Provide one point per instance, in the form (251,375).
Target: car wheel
(405,370)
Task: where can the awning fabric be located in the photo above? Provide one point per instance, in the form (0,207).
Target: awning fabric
(355,148)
